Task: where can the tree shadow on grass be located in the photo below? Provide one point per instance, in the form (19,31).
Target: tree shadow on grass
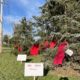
(28,60)
(63,78)
(46,70)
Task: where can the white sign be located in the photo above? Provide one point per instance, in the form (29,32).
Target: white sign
(33,69)
(69,52)
(21,57)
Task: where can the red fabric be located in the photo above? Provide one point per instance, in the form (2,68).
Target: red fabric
(34,50)
(46,44)
(52,44)
(20,49)
(58,59)
(16,46)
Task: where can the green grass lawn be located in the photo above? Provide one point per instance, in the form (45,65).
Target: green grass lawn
(10,69)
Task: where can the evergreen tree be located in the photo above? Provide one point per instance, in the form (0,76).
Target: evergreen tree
(61,16)
(6,39)
(23,34)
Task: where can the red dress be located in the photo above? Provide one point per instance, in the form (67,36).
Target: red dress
(59,57)
(34,50)
(46,44)
(20,49)
(52,44)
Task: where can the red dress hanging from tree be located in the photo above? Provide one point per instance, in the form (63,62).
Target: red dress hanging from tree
(19,49)
(59,57)
(46,45)
(34,50)
(52,44)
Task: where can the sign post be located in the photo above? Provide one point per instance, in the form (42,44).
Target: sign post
(34,78)
(1,12)
(33,69)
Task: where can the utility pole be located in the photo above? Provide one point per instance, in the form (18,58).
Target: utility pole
(1,14)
